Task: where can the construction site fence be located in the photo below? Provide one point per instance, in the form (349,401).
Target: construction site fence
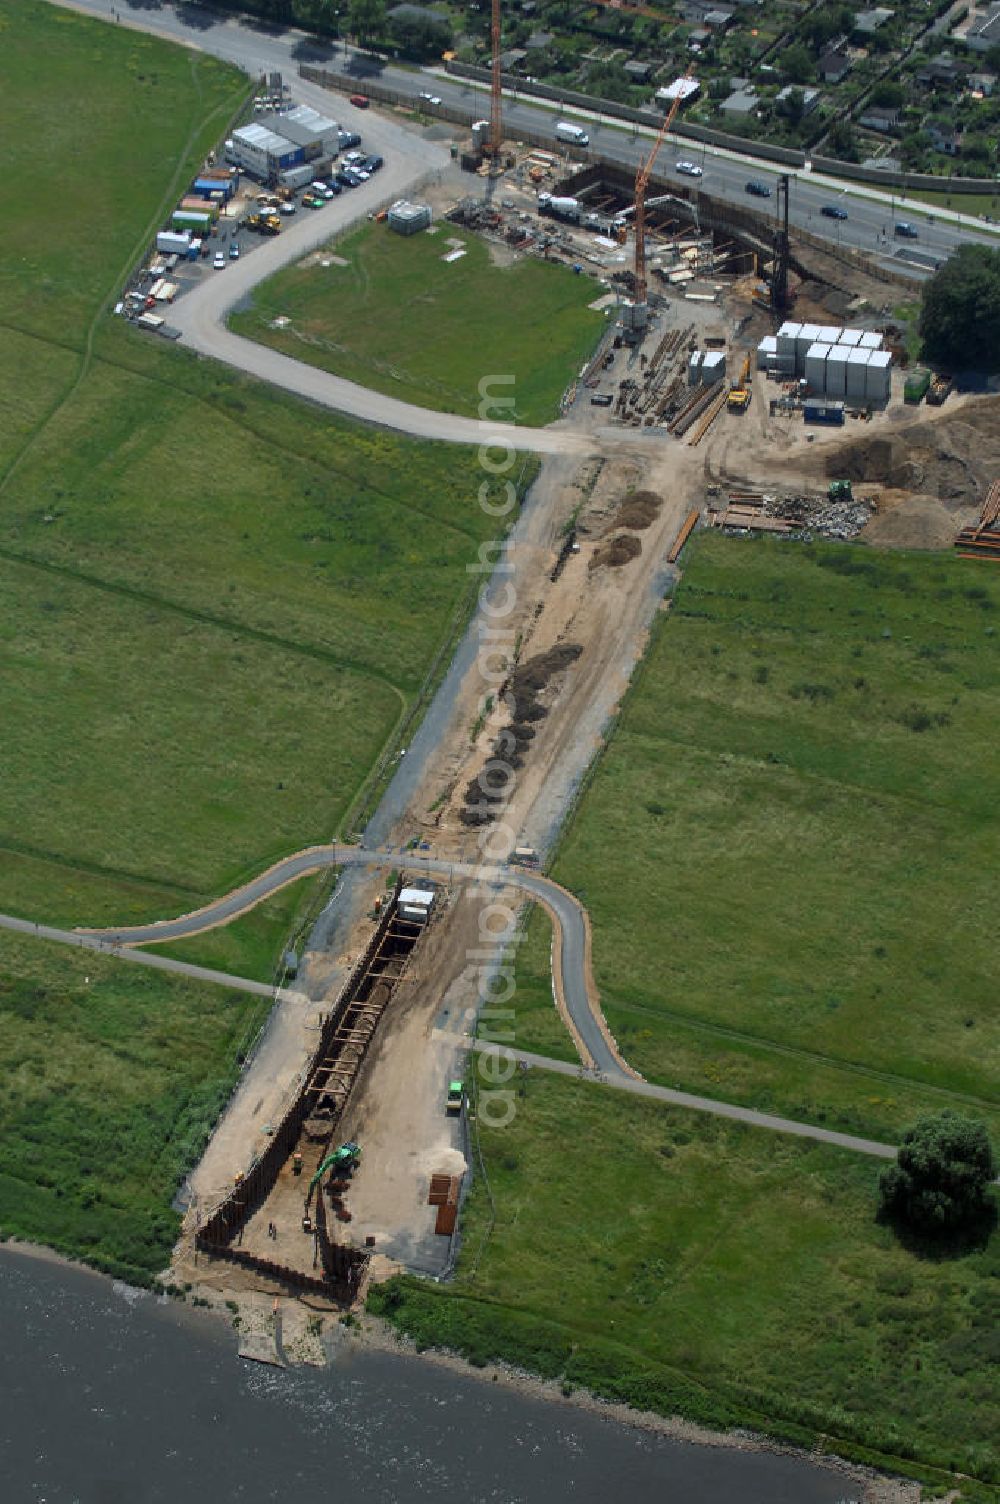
(786,156)
(250,1193)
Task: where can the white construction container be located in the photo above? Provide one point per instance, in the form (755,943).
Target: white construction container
(808,336)
(694,368)
(713,366)
(829,334)
(870,340)
(415,904)
(857,370)
(815,368)
(768,346)
(173,242)
(787,338)
(878,377)
(850,337)
(836,371)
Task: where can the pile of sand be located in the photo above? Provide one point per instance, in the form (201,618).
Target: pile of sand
(640,510)
(616,552)
(916,522)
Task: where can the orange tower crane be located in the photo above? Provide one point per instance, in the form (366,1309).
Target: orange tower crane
(496,91)
(641,184)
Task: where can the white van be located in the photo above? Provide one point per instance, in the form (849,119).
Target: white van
(574,134)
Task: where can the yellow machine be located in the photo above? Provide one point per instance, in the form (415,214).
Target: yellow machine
(739,394)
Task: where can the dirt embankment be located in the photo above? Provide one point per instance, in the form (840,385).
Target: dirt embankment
(935,475)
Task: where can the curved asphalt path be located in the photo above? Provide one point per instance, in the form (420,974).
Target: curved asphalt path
(570,966)
(570,962)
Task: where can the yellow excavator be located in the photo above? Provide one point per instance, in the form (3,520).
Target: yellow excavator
(739,393)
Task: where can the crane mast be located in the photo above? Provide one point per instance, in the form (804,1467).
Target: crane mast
(642,178)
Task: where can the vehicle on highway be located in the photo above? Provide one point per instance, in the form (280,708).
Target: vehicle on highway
(833,211)
(758,189)
(430,98)
(372,164)
(689,169)
(574,135)
(359,101)
(234,251)
(905,231)
(219,262)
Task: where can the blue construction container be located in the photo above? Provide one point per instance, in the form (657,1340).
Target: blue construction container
(824,412)
(207,186)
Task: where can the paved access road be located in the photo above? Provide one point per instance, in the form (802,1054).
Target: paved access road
(100,942)
(262,48)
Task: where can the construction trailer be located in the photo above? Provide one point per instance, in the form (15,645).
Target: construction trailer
(262,152)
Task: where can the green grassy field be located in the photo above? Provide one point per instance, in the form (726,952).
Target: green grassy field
(111,1077)
(727,1274)
(788,847)
(401,319)
(215,611)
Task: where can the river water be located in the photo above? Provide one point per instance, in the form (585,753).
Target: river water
(110,1396)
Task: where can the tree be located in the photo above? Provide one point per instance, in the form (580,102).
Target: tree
(887,94)
(796,64)
(841,142)
(960,315)
(793,106)
(366,19)
(420,37)
(940,1182)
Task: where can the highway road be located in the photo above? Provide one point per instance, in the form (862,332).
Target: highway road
(871,215)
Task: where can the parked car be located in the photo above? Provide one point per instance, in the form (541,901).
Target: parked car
(219,262)
(360,101)
(348,139)
(430,98)
(334,187)
(905,231)
(690,169)
(288,207)
(372,164)
(833,211)
(601,399)
(758,189)
(234,251)
(321,189)
(346,178)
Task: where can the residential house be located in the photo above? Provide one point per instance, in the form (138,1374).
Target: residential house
(539,40)
(810,97)
(834,65)
(718,20)
(984,32)
(883,118)
(945,138)
(637,71)
(511,58)
(698,38)
(681,88)
(940,72)
(741,103)
(982,83)
(407,12)
(868,22)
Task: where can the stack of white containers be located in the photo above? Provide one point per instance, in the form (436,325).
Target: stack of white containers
(767,352)
(857,367)
(816,366)
(878,376)
(836,370)
(713,366)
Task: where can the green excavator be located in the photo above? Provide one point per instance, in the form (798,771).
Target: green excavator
(345,1159)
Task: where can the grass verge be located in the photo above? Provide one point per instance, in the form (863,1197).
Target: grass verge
(722,1273)
(392,313)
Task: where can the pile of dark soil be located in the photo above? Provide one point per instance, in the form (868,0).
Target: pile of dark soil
(953,459)
(616,552)
(639,510)
(487,794)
